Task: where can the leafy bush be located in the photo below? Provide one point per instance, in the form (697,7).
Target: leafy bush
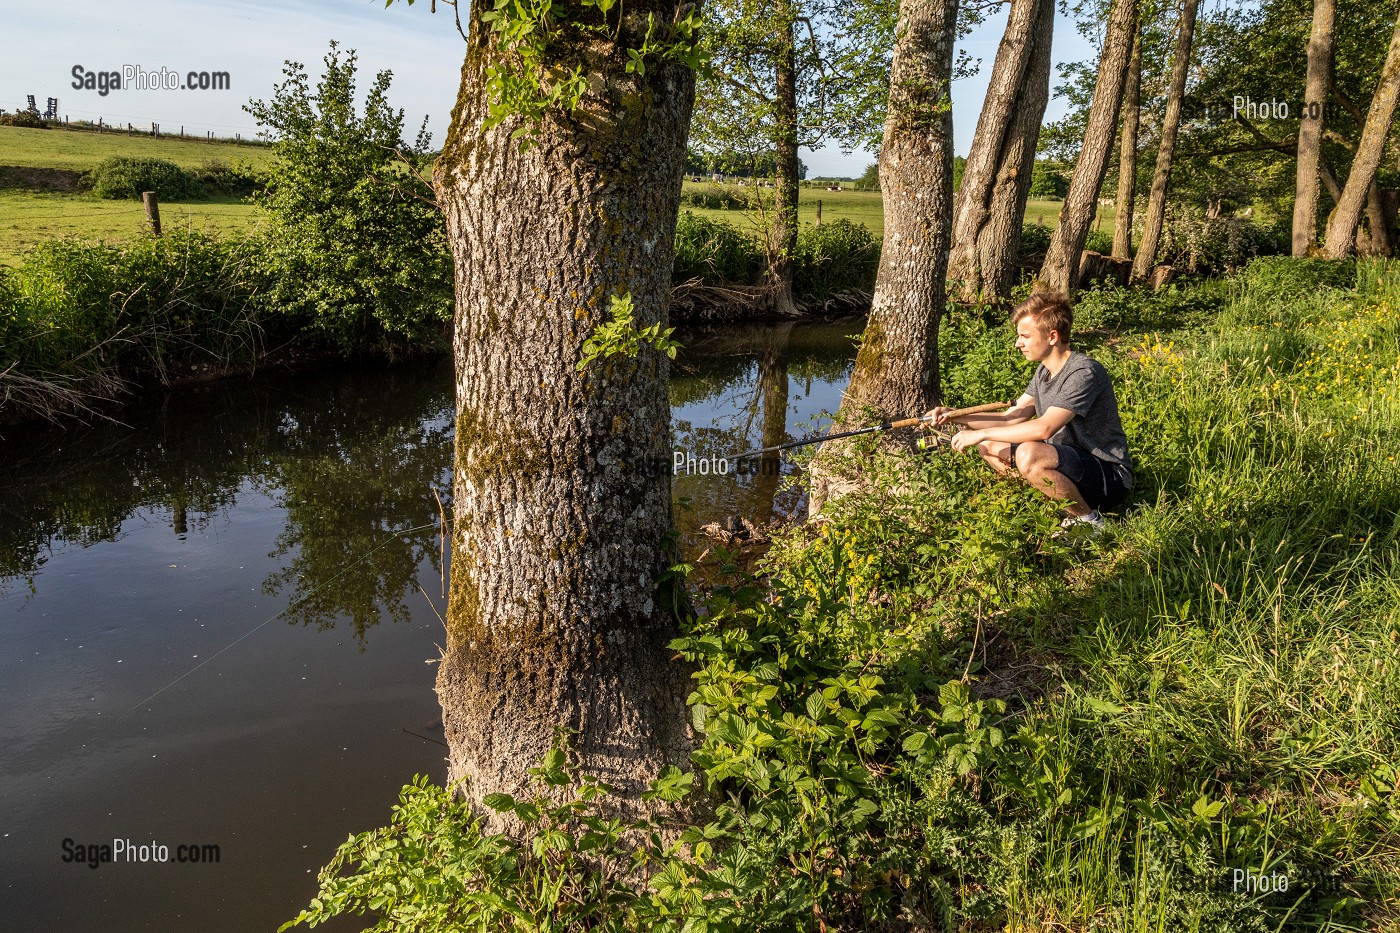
(982,364)
(25,118)
(123,178)
(217,178)
(835,256)
(357,252)
(715,198)
(1099,241)
(714,251)
(1193,242)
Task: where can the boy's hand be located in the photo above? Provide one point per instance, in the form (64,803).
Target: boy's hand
(935,416)
(965,439)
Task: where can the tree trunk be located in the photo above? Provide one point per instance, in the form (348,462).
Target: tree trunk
(1315,94)
(1067,242)
(783,234)
(896,370)
(1377,223)
(1127,153)
(561,478)
(1341,227)
(1013,93)
(1171,122)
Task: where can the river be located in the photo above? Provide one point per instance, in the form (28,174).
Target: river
(220,618)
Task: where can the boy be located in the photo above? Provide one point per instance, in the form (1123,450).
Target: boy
(1063,435)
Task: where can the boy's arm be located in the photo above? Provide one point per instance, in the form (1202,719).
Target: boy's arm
(1033,429)
(1023,409)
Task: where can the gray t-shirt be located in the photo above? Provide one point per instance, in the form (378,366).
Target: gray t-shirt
(1084,388)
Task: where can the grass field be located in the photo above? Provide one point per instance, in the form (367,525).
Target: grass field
(76,150)
(28,219)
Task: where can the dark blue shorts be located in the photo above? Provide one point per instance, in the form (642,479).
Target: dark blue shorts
(1102,484)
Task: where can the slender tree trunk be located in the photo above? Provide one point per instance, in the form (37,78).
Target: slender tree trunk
(1127,154)
(1317,89)
(896,370)
(1007,96)
(561,477)
(1377,223)
(783,234)
(1062,258)
(1166,148)
(999,241)
(1341,227)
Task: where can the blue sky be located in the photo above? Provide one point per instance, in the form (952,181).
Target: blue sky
(41,44)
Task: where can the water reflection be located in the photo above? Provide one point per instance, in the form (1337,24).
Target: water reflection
(353,463)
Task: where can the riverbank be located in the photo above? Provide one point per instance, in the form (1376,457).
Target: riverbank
(928,711)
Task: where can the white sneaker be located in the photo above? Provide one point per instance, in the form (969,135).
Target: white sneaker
(1082,526)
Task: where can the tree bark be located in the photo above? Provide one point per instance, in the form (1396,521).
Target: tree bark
(1378,224)
(1341,227)
(996,177)
(1316,91)
(1127,153)
(782,245)
(896,369)
(561,478)
(1067,242)
(1166,148)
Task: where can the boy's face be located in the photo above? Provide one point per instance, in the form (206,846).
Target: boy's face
(1034,345)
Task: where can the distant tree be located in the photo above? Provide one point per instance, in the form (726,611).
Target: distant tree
(992,191)
(1048,181)
(357,247)
(870,179)
(1061,265)
(1127,153)
(1166,147)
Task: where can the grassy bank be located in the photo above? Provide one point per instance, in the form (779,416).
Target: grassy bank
(928,713)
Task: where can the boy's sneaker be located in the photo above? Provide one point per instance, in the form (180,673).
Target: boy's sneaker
(1081,527)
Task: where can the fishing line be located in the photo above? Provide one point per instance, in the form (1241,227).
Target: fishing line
(288,608)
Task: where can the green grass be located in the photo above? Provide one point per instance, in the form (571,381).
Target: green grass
(866,207)
(80,150)
(29,219)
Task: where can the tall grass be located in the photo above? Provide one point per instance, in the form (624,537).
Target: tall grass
(81,322)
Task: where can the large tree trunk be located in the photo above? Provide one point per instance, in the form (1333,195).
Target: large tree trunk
(1171,122)
(991,197)
(1062,258)
(783,234)
(1315,94)
(896,370)
(1127,154)
(561,478)
(1341,227)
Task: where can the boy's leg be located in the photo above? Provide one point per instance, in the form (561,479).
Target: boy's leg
(1038,465)
(997,455)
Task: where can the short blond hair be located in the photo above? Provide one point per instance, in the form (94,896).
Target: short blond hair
(1048,311)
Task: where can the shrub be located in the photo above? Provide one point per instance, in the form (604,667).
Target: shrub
(25,118)
(218,178)
(122,178)
(356,253)
(1195,243)
(835,256)
(714,251)
(1099,241)
(715,198)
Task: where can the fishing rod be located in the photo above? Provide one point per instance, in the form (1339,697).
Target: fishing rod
(875,428)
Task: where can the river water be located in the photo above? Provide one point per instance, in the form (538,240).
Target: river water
(219,620)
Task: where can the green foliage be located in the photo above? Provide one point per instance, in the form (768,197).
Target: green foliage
(620,336)
(714,251)
(980,363)
(715,198)
(122,178)
(24,118)
(80,320)
(1048,181)
(834,256)
(357,251)
(870,178)
(1296,275)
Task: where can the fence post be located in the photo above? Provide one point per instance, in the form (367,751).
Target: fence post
(148,199)
(819,212)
